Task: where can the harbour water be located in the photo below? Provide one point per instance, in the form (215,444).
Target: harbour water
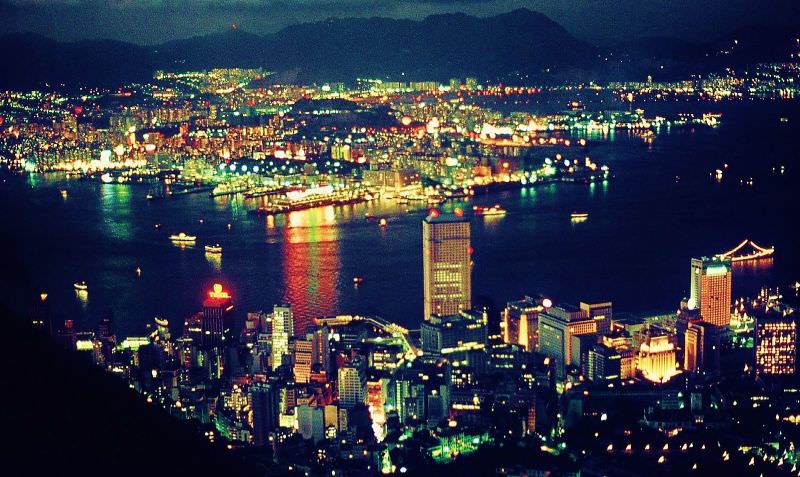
(661,208)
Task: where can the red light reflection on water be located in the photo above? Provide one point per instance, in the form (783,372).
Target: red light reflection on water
(311,264)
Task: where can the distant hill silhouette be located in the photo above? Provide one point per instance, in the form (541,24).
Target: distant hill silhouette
(517,44)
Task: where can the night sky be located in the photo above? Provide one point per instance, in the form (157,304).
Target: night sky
(599,21)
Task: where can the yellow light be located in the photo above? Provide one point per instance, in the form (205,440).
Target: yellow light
(218,292)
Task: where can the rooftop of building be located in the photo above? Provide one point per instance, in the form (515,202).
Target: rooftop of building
(439,218)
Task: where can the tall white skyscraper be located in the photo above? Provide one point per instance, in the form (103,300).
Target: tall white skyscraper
(282,330)
(352,384)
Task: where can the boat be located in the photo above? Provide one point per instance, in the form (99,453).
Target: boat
(216,248)
(435,199)
(579,215)
(81,286)
(487,211)
(383,222)
(357,280)
(182,237)
(149,196)
(64,193)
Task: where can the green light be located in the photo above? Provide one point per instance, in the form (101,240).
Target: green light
(716,270)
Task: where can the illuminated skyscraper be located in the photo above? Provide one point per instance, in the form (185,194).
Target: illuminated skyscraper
(521,321)
(282,330)
(301,360)
(447,279)
(711,289)
(320,348)
(217,309)
(701,348)
(604,364)
(352,384)
(601,314)
(557,326)
(776,343)
(454,333)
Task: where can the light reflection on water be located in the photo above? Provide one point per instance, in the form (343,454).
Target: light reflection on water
(635,248)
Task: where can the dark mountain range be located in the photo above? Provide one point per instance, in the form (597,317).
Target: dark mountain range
(517,45)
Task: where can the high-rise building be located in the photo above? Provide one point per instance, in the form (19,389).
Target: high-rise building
(604,364)
(320,348)
(282,330)
(710,289)
(557,325)
(701,348)
(217,310)
(302,358)
(265,399)
(311,422)
(454,333)
(447,279)
(776,343)
(521,321)
(352,384)
(601,314)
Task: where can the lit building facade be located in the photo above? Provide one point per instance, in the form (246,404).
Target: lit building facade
(447,280)
(604,364)
(282,330)
(557,326)
(601,314)
(710,289)
(217,308)
(702,348)
(352,384)
(657,359)
(302,358)
(454,333)
(776,343)
(520,323)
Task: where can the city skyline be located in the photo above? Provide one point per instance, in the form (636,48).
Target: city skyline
(400,246)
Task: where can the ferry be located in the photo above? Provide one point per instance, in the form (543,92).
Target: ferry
(81,286)
(579,216)
(485,211)
(182,237)
(216,248)
(435,199)
(64,193)
(357,280)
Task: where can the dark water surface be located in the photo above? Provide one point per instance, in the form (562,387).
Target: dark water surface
(634,249)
